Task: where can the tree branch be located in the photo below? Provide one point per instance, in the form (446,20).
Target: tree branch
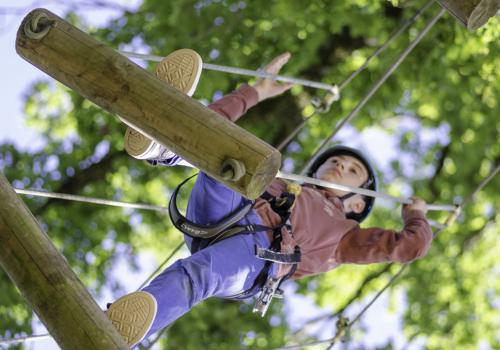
(439,167)
(359,292)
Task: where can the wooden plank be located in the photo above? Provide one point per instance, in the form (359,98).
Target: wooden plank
(46,281)
(151,106)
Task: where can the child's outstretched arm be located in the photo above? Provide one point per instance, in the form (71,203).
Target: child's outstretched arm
(267,88)
(371,245)
(235,104)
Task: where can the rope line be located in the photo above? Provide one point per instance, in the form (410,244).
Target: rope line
(342,330)
(391,38)
(342,85)
(333,89)
(242,71)
(304,82)
(293,177)
(153,274)
(363,191)
(472,196)
(375,87)
(93,200)
(300,346)
(360,314)
(24,339)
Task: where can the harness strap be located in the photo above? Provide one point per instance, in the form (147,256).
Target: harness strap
(199,243)
(259,281)
(238,229)
(366,185)
(204,230)
(263,275)
(207,234)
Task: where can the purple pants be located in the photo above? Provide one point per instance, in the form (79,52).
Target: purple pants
(224,269)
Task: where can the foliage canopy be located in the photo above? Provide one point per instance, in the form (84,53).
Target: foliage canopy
(440,109)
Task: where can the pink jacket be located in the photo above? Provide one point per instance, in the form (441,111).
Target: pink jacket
(325,237)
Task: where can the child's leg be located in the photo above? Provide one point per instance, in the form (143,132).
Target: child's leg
(224,269)
(181,70)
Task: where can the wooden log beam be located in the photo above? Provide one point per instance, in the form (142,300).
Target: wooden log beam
(472,13)
(47,282)
(151,106)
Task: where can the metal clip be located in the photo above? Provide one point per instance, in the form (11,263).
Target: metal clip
(269,291)
(323,106)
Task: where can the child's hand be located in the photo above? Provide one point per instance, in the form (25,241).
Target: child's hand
(267,88)
(418,204)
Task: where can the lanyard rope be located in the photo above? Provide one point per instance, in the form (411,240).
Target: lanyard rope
(374,88)
(342,85)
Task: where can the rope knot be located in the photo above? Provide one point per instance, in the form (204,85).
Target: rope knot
(38,26)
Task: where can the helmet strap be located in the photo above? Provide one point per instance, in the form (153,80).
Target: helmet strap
(346,196)
(351,194)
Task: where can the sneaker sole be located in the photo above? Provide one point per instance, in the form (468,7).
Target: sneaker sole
(132,315)
(182,70)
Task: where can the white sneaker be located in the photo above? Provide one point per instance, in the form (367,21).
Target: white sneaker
(181,69)
(132,315)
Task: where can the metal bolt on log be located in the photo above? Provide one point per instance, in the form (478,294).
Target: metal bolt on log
(232,170)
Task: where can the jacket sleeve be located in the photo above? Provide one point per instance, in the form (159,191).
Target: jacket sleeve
(235,104)
(372,245)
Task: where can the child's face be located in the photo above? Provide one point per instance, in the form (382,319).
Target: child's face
(343,170)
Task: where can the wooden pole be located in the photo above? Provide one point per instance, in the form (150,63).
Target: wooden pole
(151,106)
(47,282)
(472,13)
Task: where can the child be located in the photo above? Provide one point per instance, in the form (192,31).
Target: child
(323,223)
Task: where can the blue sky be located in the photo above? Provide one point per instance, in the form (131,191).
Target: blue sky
(17,74)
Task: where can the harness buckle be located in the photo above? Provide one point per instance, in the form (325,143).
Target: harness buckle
(280,201)
(278,257)
(269,291)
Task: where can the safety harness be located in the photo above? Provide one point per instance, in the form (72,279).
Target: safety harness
(207,234)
